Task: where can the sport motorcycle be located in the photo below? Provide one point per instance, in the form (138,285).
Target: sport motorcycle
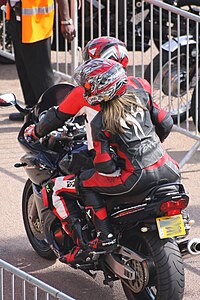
(151,227)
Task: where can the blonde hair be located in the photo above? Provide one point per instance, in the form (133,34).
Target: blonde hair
(116,110)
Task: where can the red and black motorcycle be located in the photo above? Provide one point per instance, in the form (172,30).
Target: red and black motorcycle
(151,227)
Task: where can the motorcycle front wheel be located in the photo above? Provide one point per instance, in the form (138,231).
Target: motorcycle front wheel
(33,227)
(166,278)
(171,90)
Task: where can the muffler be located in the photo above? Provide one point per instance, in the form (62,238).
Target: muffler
(189,248)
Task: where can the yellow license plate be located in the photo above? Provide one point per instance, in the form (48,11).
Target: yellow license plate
(170,226)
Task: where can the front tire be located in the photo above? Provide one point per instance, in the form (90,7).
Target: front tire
(33,229)
(167,278)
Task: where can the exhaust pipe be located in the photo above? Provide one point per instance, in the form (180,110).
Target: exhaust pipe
(189,248)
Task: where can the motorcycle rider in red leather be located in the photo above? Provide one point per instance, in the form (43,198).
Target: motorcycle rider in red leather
(75,104)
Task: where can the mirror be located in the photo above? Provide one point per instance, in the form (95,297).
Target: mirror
(7,100)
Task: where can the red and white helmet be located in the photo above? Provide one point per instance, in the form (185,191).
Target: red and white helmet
(106,47)
(103,79)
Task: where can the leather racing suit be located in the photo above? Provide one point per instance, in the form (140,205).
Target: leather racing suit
(75,105)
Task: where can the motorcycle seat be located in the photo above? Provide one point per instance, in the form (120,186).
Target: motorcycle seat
(143,197)
(112,201)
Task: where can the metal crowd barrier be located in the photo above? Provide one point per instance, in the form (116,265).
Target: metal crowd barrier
(182,68)
(172,88)
(29,287)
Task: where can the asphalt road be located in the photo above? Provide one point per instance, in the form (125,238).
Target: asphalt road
(14,245)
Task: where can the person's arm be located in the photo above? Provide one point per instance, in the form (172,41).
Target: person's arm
(161,119)
(67,27)
(55,117)
(52,120)
(103,161)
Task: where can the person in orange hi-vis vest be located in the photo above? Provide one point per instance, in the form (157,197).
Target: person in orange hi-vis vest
(30,24)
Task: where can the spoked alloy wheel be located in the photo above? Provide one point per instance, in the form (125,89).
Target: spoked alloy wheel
(166,278)
(33,226)
(175,95)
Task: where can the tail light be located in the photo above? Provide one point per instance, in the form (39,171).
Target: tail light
(171,208)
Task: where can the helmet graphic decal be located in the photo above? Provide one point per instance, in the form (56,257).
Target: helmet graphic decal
(106,47)
(103,79)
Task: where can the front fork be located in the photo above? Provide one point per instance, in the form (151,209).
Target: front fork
(41,213)
(38,207)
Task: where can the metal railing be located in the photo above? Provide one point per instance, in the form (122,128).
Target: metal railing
(39,290)
(177,83)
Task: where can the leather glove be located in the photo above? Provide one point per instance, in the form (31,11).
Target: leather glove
(29,134)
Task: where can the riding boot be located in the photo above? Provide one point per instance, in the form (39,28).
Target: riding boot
(105,240)
(72,226)
(96,209)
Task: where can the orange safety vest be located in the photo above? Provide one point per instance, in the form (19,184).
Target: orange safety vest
(37,19)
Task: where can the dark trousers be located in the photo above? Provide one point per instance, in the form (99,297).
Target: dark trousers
(33,63)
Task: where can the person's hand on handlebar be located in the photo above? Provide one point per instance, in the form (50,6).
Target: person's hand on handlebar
(29,134)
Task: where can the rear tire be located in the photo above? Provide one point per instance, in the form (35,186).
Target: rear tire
(38,243)
(167,279)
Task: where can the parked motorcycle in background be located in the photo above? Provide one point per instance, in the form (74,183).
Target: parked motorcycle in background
(108,18)
(151,227)
(174,68)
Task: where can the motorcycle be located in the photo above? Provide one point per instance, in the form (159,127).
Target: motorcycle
(174,70)
(151,228)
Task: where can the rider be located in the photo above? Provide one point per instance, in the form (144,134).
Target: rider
(75,104)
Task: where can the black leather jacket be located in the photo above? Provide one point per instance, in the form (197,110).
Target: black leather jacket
(138,146)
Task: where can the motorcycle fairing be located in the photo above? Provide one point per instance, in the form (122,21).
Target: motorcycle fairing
(52,97)
(38,167)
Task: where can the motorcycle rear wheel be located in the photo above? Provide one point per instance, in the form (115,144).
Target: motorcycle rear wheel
(33,232)
(167,279)
(173,100)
